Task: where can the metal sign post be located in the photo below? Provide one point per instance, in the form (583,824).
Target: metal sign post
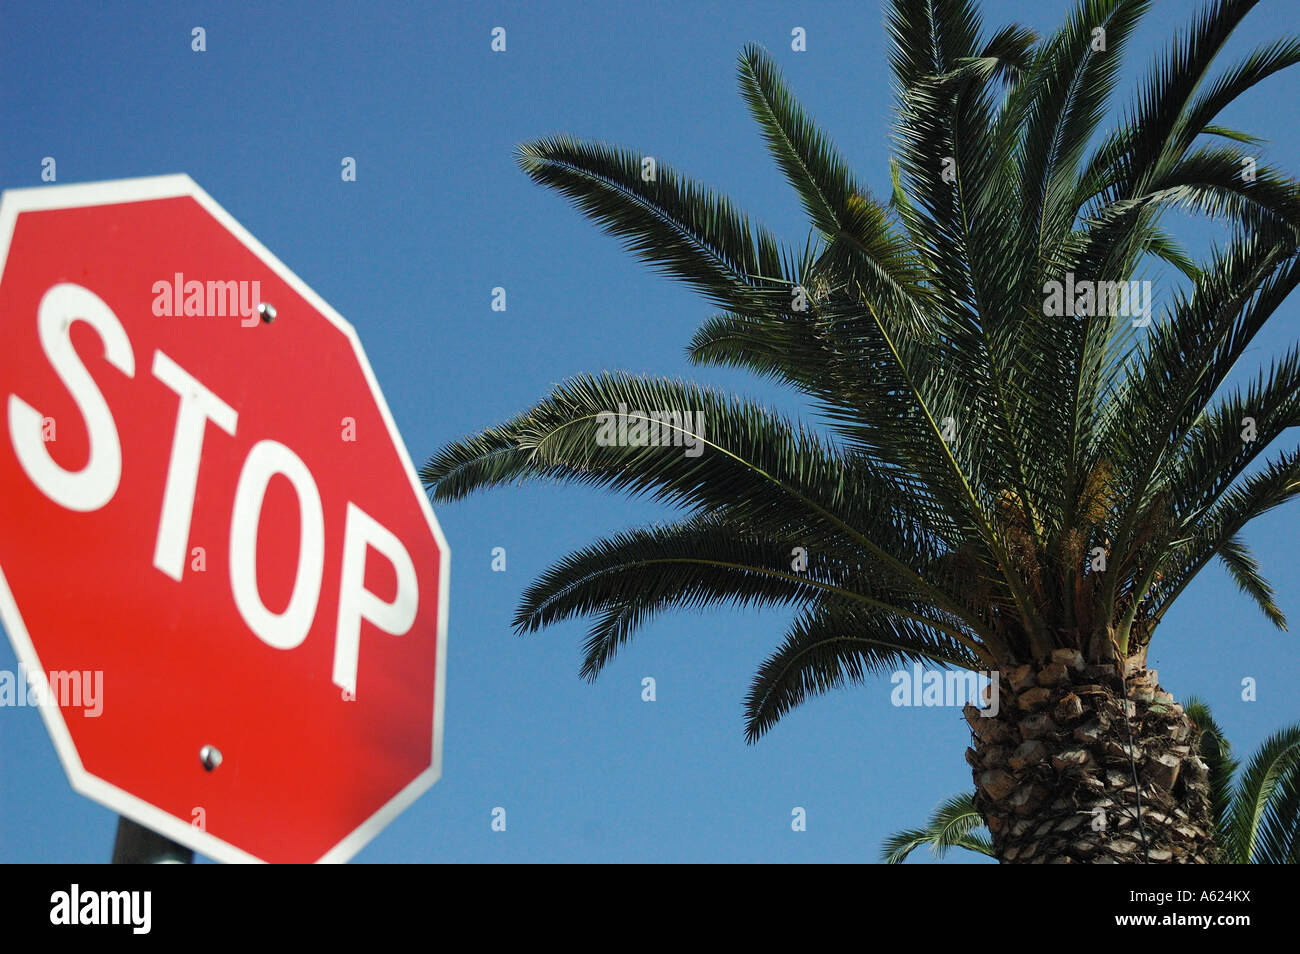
(137,845)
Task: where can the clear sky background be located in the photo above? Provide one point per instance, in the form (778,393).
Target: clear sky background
(410,252)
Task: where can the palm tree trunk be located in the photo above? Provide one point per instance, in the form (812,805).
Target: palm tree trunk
(1069,770)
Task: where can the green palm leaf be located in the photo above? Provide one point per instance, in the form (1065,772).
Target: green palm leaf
(685,229)
(837,643)
(956,823)
(1263,819)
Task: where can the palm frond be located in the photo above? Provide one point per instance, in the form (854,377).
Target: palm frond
(685,229)
(837,643)
(955,823)
(1255,832)
(1214,748)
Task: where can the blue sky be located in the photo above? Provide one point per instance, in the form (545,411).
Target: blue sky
(409,253)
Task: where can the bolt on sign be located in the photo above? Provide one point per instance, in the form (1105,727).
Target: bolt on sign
(209,514)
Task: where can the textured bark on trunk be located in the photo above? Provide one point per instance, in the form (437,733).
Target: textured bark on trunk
(1055,773)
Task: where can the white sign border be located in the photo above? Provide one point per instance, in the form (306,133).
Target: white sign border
(15,201)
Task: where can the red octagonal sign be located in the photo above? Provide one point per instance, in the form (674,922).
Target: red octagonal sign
(217,566)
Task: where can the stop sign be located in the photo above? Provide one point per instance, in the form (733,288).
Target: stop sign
(217,565)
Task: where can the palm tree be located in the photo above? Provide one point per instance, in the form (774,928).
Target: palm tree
(956,823)
(988,486)
(1256,821)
